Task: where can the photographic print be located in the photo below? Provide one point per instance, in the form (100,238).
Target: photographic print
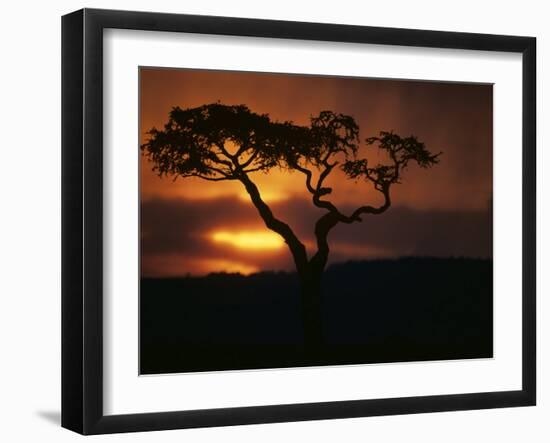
(275,221)
(294,220)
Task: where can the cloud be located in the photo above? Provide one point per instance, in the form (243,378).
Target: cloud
(176,230)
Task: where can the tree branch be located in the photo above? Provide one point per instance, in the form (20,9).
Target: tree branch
(322,228)
(308,175)
(247,171)
(225,152)
(328,169)
(356,216)
(220,171)
(319,191)
(296,247)
(204,177)
(250,159)
(328,221)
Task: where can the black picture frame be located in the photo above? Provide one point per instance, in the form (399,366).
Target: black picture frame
(82,219)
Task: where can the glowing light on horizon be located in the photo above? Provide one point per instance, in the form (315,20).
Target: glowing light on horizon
(159,265)
(227,266)
(249,240)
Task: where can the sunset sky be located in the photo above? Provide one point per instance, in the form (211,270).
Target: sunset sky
(191,226)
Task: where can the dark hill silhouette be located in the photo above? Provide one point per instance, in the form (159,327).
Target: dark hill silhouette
(407,309)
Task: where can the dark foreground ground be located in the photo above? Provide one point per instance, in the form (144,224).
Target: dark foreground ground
(374,311)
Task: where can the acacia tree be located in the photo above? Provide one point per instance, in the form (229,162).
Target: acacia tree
(216,142)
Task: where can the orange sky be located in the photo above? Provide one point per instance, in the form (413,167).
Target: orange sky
(193,226)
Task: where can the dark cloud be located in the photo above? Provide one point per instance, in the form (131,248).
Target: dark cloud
(176,225)
(180,227)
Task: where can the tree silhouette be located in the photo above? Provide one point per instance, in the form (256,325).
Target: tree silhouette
(217,142)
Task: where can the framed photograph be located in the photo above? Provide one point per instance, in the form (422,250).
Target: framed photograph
(269,221)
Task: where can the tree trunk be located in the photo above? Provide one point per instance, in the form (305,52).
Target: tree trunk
(310,272)
(310,285)
(310,280)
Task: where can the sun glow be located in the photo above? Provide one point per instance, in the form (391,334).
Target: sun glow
(249,240)
(227,266)
(267,196)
